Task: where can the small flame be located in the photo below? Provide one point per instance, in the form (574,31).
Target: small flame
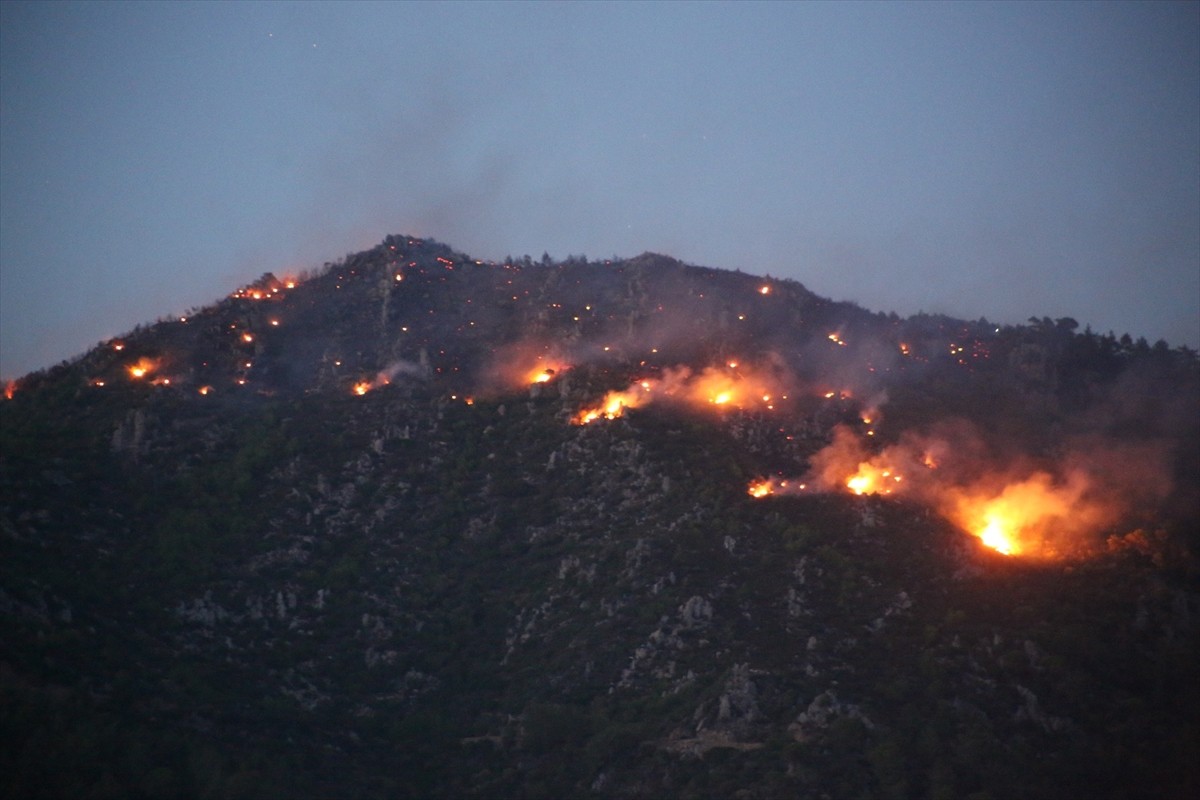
(362,387)
(764,290)
(761,488)
(142,367)
(10,389)
(204,389)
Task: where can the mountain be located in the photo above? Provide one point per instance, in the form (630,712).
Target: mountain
(416,525)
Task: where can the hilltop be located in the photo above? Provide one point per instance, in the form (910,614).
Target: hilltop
(418,525)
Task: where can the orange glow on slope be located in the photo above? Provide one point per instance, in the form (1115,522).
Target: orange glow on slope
(614,405)
(1055,510)
(870,479)
(1023,516)
(731,386)
(10,389)
(142,367)
(761,488)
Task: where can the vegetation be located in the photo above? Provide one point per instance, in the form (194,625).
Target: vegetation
(281,588)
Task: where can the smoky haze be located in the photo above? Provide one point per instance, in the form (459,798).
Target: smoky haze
(979,160)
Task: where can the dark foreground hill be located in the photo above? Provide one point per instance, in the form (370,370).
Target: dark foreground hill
(348,535)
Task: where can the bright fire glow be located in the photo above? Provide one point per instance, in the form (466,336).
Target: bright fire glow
(142,367)
(732,386)
(764,290)
(997,536)
(614,406)
(362,387)
(871,479)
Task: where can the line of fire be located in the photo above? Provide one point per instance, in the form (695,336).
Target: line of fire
(438,311)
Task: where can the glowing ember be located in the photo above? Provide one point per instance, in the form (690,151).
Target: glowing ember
(247,337)
(836,338)
(204,389)
(362,387)
(118,346)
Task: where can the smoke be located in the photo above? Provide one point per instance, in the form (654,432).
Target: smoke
(1039,507)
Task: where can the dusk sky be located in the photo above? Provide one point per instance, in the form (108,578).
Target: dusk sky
(1000,160)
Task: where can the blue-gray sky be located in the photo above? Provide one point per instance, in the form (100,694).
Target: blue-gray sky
(1000,160)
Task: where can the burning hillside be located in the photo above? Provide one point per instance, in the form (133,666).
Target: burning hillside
(423,525)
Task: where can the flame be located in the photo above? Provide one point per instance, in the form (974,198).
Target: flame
(142,367)
(871,479)
(730,386)
(362,387)
(1022,516)
(614,405)
(764,289)
(996,535)
(542,376)
(10,389)
(204,389)
(765,487)
(836,338)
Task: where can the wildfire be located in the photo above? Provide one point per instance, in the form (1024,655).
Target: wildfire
(542,376)
(10,389)
(764,289)
(996,535)
(141,368)
(836,338)
(362,387)
(872,480)
(204,389)
(614,406)
(729,386)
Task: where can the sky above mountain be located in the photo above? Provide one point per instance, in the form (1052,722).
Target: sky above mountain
(1000,160)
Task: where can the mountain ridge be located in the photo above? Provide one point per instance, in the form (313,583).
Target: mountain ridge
(375,550)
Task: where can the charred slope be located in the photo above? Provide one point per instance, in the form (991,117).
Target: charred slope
(280,587)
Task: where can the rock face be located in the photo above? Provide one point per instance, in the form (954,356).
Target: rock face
(443,587)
